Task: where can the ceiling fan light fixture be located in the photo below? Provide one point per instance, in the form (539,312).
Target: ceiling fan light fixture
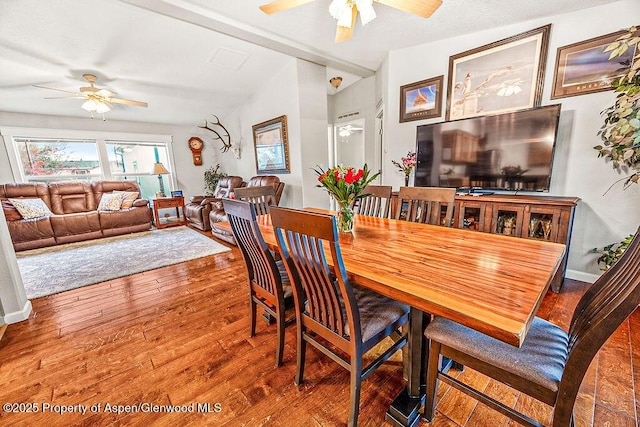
(367,13)
(103,107)
(342,11)
(93,105)
(344,132)
(337,7)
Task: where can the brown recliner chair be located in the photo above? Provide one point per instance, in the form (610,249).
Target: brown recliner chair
(218,215)
(198,210)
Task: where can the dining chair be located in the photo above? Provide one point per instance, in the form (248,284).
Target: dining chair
(377,203)
(269,285)
(337,317)
(424,204)
(551,363)
(261,197)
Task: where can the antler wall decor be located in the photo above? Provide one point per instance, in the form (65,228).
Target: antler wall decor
(224,137)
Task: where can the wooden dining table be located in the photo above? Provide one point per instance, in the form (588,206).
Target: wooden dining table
(489,282)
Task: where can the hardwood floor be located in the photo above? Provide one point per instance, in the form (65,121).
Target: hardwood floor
(179,335)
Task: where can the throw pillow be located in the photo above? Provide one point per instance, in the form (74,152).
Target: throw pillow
(10,211)
(128,197)
(31,208)
(110,202)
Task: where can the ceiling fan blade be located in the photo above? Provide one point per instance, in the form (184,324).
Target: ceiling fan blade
(280,5)
(128,102)
(345,33)
(59,90)
(66,97)
(424,8)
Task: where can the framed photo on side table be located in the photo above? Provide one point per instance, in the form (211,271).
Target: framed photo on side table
(499,77)
(421,100)
(271,145)
(584,67)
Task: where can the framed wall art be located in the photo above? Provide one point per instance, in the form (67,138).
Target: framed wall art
(499,77)
(271,146)
(421,100)
(584,67)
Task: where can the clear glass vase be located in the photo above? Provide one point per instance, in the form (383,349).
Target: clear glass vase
(345,217)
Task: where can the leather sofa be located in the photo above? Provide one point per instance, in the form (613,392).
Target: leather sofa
(197,211)
(74,212)
(217,214)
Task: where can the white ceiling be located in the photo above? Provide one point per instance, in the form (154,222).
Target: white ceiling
(192,58)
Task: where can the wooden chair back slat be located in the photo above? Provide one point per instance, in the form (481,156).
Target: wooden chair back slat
(262,197)
(266,282)
(261,265)
(425,204)
(326,304)
(377,203)
(307,237)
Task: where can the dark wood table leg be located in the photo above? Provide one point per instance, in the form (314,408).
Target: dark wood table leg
(405,409)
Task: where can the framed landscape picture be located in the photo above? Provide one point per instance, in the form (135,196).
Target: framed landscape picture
(503,76)
(421,100)
(584,67)
(271,146)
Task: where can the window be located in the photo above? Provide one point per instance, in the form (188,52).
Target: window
(57,155)
(130,160)
(58,159)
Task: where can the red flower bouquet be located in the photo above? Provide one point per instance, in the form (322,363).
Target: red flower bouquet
(346,184)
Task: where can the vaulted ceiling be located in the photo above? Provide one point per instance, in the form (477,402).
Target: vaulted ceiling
(191,58)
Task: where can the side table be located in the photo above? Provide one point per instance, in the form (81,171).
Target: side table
(169,202)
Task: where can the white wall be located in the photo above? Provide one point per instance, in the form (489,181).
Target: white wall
(313,131)
(577,170)
(277,96)
(299,92)
(359,97)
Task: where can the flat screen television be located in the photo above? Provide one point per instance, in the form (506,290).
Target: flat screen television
(511,151)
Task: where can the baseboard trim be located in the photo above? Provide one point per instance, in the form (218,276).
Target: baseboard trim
(18,316)
(582,276)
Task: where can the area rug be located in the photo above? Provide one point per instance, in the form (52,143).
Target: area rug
(55,269)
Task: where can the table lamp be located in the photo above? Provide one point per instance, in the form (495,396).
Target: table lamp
(159,169)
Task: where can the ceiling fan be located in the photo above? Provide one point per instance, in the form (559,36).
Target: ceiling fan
(346,11)
(347,130)
(96,100)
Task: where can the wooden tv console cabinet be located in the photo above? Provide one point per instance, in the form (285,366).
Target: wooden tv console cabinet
(530,217)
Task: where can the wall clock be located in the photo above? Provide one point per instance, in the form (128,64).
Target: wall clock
(195,145)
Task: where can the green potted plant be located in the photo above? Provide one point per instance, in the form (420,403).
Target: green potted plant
(211,178)
(620,132)
(610,253)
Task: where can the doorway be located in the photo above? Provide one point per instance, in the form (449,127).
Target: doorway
(348,143)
